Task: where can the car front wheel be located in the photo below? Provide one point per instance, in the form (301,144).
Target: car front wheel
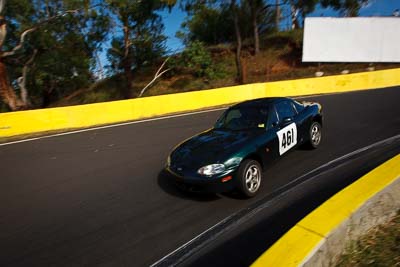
(249,177)
(315,135)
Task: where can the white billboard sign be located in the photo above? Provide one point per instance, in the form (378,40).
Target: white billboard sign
(375,39)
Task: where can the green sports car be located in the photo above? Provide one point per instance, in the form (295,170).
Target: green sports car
(247,136)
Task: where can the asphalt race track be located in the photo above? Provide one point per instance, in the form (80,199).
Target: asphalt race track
(99,197)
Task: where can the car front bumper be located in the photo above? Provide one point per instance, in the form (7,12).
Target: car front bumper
(216,184)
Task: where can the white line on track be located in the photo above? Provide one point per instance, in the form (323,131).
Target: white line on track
(135,122)
(187,244)
(111,126)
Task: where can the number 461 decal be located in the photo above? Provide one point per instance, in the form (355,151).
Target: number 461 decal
(287,138)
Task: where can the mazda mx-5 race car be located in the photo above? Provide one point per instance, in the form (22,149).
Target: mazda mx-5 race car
(246,137)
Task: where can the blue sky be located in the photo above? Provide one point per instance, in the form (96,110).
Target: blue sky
(174,19)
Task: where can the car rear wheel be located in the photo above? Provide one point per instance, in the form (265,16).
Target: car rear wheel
(249,177)
(315,133)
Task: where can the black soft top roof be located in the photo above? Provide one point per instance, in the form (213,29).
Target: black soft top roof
(259,102)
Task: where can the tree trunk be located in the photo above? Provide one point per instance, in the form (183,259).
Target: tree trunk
(238,51)
(238,60)
(24,92)
(277,16)
(48,92)
(126,91)
(127,64)
(255,31)
(6,91)
(294,14)
(254,15)
(46,98)
(22,81)
(101,69)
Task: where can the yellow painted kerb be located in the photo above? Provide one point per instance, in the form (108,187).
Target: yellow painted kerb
(297,244)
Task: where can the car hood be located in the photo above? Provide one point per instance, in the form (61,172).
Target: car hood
(211,146)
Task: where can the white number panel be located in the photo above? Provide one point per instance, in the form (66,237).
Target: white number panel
(287,138)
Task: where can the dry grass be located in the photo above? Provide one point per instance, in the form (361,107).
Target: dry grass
(279,59)
(379,247)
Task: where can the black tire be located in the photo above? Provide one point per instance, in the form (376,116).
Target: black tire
(249,177)
(315,135)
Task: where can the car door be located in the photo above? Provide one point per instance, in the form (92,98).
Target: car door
(303,121)
(268,142)
(287,127)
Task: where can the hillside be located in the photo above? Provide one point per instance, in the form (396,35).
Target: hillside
(279,59)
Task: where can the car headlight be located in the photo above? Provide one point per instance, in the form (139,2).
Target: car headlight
(233,162)
(211,169)
(169,161)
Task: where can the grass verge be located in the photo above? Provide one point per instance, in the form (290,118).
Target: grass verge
(379,247)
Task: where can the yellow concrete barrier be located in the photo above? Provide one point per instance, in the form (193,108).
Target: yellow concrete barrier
(306,239)
(26,122)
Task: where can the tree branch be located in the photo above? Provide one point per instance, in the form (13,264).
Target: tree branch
(21,43)
(22,80)
(3,31)
(158,74)
(119,52)
(34,28)
(272,5)
(2,4)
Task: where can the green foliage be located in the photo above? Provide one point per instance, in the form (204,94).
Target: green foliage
(146,45)
(278,40)
(209,25)
(64,44)
(348,8)
(141,41)
(212,23)
(305,6)
(96,97)
(196,59)
(181,83)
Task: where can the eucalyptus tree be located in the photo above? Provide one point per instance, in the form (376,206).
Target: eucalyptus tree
(300,8)
(140,39)
(277,14)
(222,21)
(9,46)
(209,24)
(235,7)
(46,48)
(256,7)
(67,49)
(262,14)
(348,8)
(232,20)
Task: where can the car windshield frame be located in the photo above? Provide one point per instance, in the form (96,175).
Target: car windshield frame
(247,119)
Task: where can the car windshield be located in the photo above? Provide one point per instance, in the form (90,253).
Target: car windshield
(242,118)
